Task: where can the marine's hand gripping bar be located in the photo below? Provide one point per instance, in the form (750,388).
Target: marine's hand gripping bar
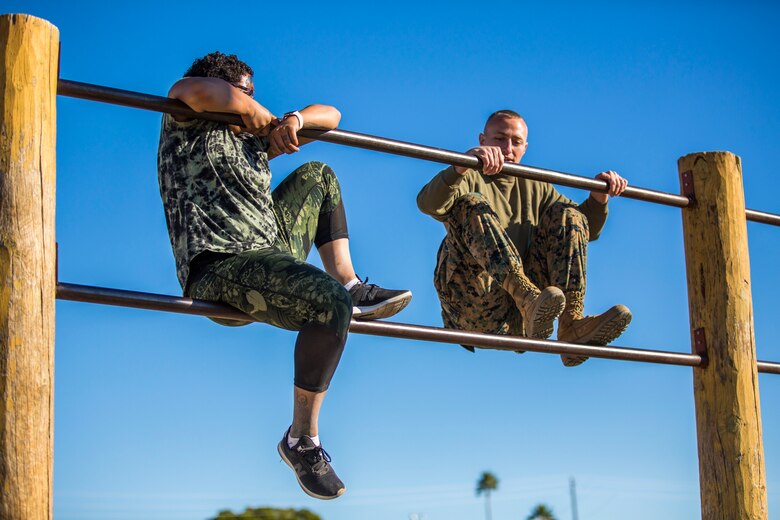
(380,144)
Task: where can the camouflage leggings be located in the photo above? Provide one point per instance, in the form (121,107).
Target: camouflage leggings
(275,285)
(476,255)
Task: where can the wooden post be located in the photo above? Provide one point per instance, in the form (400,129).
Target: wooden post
(29,52)
(728,415)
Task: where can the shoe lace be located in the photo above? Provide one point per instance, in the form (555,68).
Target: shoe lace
(317,458)
(369,289)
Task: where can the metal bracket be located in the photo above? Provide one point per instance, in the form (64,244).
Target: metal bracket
(700,346)
(686,179)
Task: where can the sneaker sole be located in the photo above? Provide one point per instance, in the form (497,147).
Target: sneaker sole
(546,314)
(310,493)
(385,309)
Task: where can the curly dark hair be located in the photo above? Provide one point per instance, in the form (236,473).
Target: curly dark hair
(219,65)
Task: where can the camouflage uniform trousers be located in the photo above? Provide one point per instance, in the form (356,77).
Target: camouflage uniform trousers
(477,255)
(275,285)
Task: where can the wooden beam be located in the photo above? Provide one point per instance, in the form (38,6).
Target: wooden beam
(728,416)
(29,51)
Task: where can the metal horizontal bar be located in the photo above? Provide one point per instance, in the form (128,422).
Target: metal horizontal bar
(514,343)
(762,217)
(159,302)
(428,153)
(182,305)
(380,144)
(768,367)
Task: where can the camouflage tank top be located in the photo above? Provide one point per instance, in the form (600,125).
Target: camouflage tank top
(215,187)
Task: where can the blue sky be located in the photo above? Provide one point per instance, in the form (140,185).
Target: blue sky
(161,416)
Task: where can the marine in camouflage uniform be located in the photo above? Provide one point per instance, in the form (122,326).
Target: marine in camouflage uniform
(476,257)
(512,242)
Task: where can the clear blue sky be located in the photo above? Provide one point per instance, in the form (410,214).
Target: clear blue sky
(161,416)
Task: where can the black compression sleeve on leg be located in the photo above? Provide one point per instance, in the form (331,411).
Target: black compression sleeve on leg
(317,353)
(331,226)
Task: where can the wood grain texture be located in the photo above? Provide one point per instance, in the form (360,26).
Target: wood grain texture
(728,416)
(29,49)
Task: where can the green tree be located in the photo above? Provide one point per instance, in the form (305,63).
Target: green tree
(541,512)
(268,513)
(487,484)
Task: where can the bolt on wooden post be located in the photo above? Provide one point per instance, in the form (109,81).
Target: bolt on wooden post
(29,51)
(728,416)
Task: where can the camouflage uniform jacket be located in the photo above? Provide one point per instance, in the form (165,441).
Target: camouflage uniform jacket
(519,203)
(215,186)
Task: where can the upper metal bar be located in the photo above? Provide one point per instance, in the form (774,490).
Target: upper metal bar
(160,302)
(762,217)
(163,104)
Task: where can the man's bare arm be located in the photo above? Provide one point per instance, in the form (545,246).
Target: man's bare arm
(216,95)
(284,138)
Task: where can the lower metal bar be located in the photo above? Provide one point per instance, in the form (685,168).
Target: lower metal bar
(159,302)
(514,343)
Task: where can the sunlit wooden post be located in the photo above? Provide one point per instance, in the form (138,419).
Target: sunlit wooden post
(728,416)
(29,49)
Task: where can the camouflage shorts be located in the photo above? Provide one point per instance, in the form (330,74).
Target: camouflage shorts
(476,256)
(275,285)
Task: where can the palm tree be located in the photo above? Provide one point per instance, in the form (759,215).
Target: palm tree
(541,512)
(486,484)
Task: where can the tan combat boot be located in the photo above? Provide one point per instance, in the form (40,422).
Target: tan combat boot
(601,329)
(539,309)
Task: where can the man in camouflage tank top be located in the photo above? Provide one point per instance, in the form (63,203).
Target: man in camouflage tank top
(236,241)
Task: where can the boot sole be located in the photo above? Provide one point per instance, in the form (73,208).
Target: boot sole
(544,317)
(609,331)
(606,334)
(387,308)
(573,361)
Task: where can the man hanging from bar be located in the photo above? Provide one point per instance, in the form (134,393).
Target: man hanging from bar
(235,241)
(513,259)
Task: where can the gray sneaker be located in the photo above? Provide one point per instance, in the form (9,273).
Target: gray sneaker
(312,468)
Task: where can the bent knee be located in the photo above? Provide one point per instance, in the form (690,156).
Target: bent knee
(334,308)
(318,169)
(468,206)
(470,200)
(566,214)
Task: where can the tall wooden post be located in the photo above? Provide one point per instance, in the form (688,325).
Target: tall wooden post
(728,416)
(29,51)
